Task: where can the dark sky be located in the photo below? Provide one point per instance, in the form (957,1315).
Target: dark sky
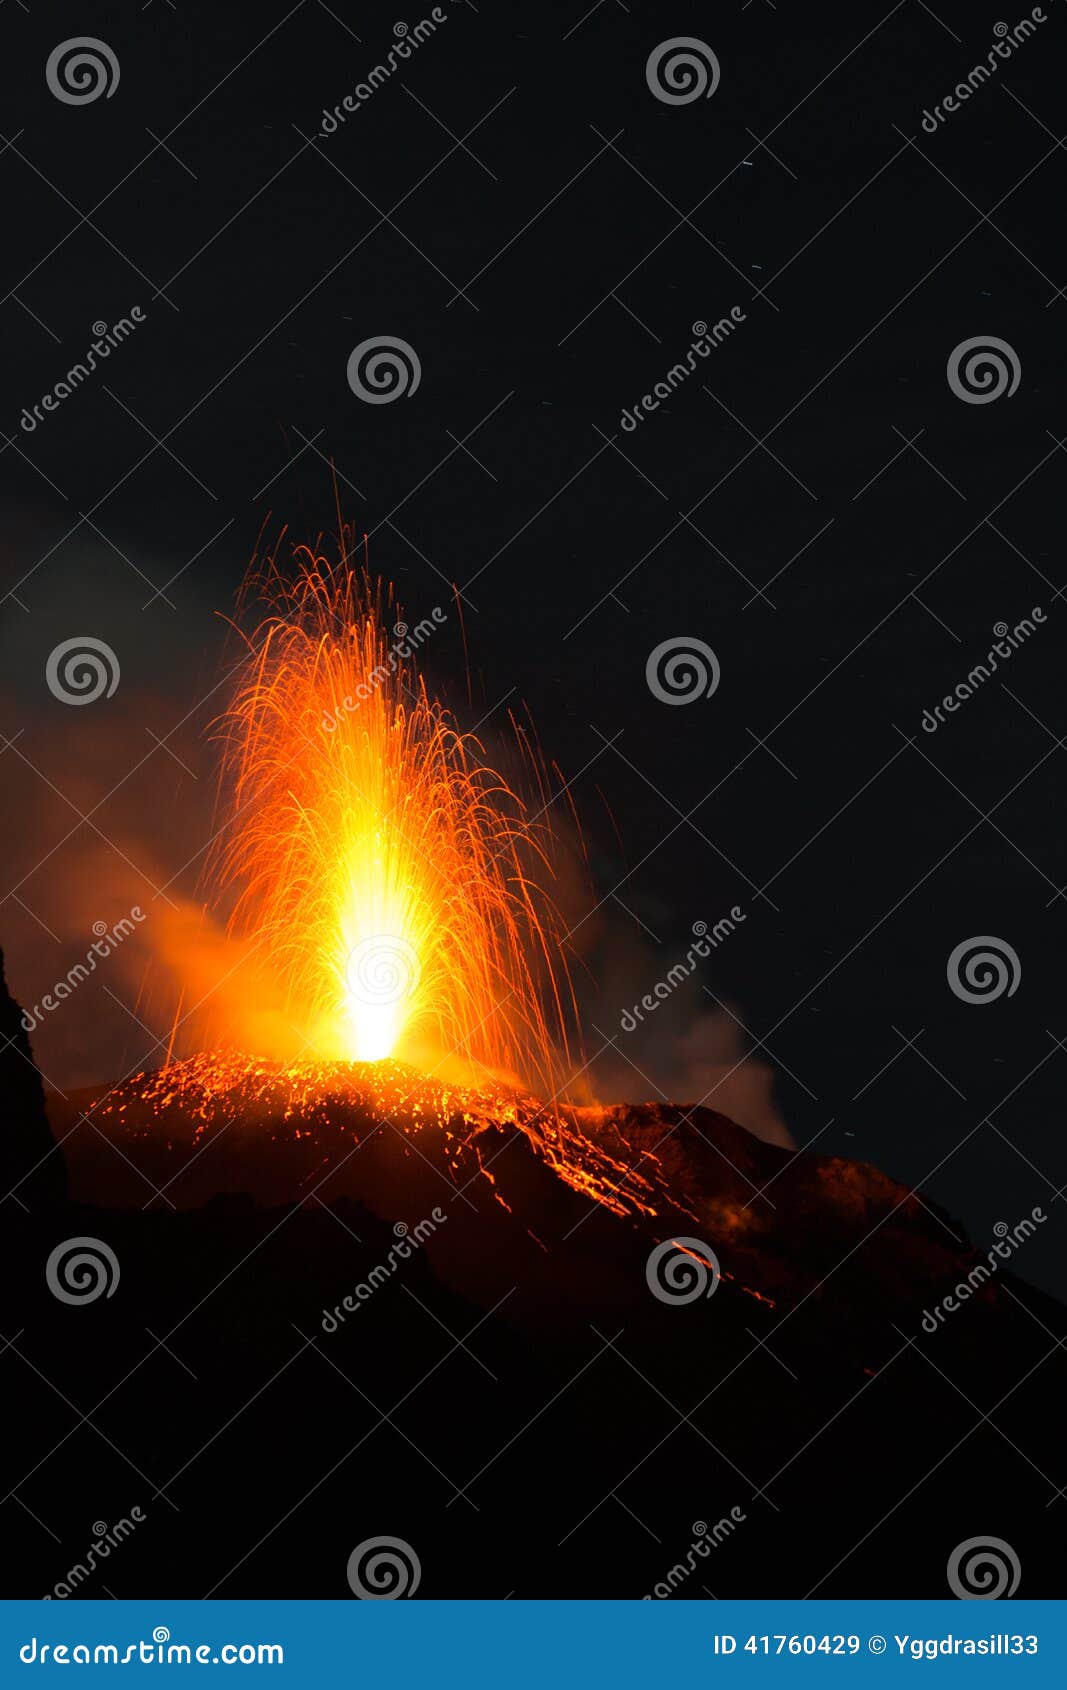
(815,503)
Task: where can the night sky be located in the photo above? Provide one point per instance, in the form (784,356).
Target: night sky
(814,502)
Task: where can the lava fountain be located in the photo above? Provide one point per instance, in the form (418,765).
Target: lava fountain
(400,887)
(397,964)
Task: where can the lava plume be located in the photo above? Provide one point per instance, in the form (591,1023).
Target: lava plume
(399,885)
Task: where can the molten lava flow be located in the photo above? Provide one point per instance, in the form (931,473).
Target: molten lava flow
(396,883)
(338,1105)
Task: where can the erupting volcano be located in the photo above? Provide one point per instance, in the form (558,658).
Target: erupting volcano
(396,895)
(400,886)
(369,1164)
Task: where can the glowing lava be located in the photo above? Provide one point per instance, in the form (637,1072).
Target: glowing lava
(339,1105)
(396,883)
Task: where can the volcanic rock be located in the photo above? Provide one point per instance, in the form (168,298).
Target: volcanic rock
(357,1303)
(31,1174)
